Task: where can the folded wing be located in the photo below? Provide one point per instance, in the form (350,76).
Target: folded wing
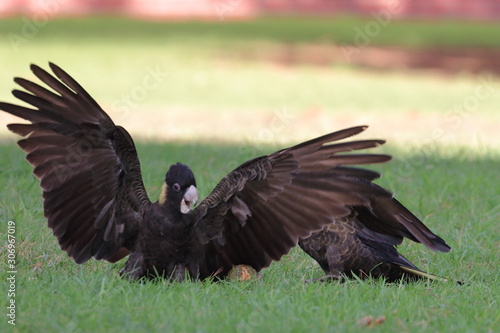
(387,221)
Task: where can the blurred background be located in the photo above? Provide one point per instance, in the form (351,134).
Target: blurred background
(419,72)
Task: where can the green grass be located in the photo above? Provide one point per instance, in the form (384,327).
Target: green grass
(456,196)
(445,170)
(334,29)
(112,56)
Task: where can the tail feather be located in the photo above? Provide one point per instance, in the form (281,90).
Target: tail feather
(421,274)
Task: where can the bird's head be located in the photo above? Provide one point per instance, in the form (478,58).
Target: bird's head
(179,189)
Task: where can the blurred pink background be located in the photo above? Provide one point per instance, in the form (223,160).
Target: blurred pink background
(244,9)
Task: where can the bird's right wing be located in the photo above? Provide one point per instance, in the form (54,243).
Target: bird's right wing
(88,168)
(258,212)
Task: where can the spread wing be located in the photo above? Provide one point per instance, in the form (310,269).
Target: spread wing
(88,167)
(257,213)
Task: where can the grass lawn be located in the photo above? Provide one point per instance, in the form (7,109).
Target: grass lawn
(213,112)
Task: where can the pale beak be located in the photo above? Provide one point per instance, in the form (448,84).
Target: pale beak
(190,199)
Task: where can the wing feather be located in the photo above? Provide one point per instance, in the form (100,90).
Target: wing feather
(88,167)
(286,196)
(390,217)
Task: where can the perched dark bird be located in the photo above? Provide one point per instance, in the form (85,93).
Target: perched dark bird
(96,204)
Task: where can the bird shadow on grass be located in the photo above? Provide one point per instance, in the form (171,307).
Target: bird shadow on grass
(454,191)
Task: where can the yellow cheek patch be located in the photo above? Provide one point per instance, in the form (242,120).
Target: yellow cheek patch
(163,194)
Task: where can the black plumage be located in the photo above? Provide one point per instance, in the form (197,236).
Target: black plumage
(364,243)
(96,204)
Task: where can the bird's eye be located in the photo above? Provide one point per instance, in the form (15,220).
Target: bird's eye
(176,187)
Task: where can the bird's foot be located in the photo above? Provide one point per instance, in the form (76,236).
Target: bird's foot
(133,267)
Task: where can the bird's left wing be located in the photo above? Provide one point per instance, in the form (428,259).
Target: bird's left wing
(257,213)
(88,167)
